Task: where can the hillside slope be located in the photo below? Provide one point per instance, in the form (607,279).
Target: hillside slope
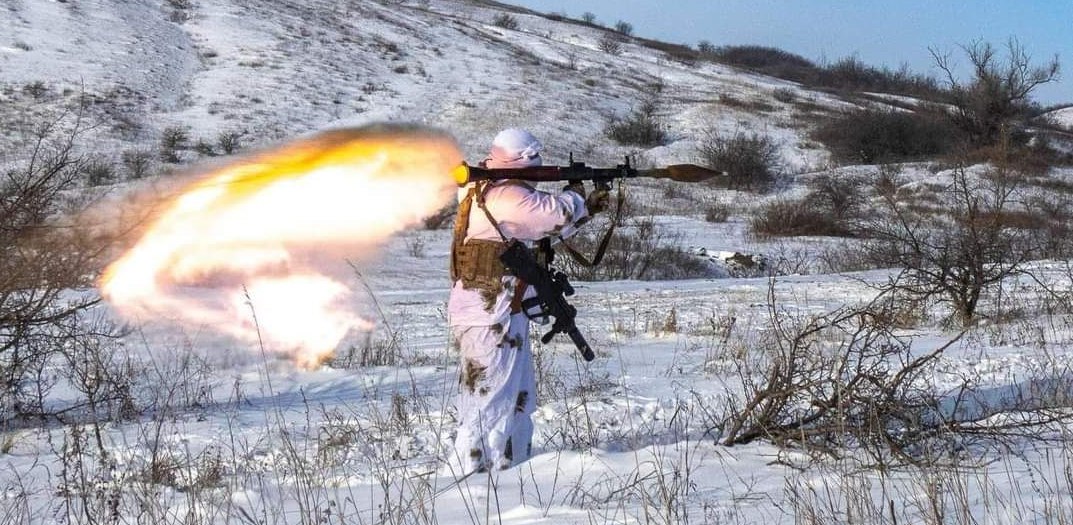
(274,69)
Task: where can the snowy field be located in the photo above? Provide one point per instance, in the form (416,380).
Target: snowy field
(220,430)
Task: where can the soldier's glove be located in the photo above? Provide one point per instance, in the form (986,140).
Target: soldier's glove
(597,201)
(577,187)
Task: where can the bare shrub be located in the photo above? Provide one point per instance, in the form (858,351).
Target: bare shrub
(784,95)
(841,197)
(179,16)
(36,89)
(84,467)
(833,207)
(967,245)
(610,43)
(785,258)
(180,10)
(845,379)
(99,171)
(138,163)
(793,218)
(871,136)
(1053,212)
(204,148)
(844,257)
(750,161)
(102,374)
(642,127)
(572,58)
(673,190)
(506,21)
(851,74)
(229,142)
(172,140)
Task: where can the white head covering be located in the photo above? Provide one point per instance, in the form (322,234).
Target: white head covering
(514,148)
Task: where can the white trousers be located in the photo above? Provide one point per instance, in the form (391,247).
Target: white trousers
(497,396)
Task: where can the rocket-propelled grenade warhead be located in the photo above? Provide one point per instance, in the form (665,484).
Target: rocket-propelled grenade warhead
(578,171)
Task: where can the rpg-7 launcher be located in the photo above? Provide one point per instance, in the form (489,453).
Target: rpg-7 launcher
(551,287)
(578,171)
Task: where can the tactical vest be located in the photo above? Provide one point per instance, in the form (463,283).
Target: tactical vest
(476,262)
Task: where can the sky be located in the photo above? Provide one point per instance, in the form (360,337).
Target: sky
(881,33)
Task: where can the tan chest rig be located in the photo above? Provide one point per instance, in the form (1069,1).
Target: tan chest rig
(476,262)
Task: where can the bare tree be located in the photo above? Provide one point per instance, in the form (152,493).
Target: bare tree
(998,94)
(45,260)
(968,241)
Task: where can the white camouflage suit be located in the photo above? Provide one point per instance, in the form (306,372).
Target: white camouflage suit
(497,382)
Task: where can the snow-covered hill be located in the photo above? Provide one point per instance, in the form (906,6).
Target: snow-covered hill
(275,69)
(221,431)
(1062,117)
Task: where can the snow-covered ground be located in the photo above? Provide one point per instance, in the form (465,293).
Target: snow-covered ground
(227,432)
(1062,117)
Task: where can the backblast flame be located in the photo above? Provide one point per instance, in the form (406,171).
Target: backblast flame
(258,248)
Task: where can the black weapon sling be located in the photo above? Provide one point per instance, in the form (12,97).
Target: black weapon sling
(601,249)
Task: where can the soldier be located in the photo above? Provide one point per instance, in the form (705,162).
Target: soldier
(488,326)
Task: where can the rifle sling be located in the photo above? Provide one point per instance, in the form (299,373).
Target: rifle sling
(479,197)
(578,257)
